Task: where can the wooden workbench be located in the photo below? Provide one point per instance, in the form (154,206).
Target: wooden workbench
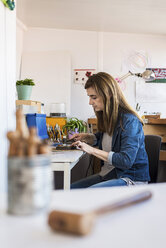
(157,127)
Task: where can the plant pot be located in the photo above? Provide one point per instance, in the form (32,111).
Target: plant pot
(71,133)
(24,92)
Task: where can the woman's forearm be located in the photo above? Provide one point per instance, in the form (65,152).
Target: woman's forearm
(100,154)
(91,150)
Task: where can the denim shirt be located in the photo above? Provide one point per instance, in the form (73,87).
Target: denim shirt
(128,149)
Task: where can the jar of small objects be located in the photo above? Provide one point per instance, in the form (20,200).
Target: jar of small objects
(30,180)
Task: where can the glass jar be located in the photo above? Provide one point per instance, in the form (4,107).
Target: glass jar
(30,182)
(57,110)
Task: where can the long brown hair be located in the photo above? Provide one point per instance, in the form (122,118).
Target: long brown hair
(114,101)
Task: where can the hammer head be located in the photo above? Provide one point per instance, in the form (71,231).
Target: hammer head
(78,224)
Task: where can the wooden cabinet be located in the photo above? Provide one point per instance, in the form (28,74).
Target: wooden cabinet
(157,127)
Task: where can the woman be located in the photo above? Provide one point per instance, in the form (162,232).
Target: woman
(120,138)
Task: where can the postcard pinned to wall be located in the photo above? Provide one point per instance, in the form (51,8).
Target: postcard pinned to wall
(82,75)
(160,75)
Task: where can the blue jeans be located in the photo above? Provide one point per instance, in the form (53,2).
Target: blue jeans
(96,180)
(86,182)
(110,183)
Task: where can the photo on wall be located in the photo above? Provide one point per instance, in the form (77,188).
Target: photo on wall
(82,75)
(160,75)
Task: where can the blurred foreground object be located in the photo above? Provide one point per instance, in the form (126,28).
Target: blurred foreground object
(29,106)
(81,224)
(24,142)
(29,170)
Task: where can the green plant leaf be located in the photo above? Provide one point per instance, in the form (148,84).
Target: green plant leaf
(73,123)
(27,81)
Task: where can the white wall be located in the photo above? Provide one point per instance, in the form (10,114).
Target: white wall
(115,46)
(7,84)
(83,47)
(20,29)
(102,51)
(51,71)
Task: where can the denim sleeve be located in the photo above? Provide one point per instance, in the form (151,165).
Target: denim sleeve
(130,137)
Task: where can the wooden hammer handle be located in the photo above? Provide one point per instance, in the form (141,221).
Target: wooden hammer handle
(145,195)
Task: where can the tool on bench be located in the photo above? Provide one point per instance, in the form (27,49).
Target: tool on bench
(81,224)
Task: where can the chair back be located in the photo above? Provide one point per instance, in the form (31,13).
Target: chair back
(152,146)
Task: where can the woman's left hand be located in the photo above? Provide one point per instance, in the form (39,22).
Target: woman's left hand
(83,146)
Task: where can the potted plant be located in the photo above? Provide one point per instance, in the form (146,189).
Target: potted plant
(24,88)
(74,125)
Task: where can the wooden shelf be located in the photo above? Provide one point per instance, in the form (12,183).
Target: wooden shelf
(156,129)
(156,121)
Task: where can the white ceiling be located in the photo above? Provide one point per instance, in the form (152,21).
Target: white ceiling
(129,16)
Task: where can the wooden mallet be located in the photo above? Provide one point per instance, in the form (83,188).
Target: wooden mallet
(81,224)
(13,137)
